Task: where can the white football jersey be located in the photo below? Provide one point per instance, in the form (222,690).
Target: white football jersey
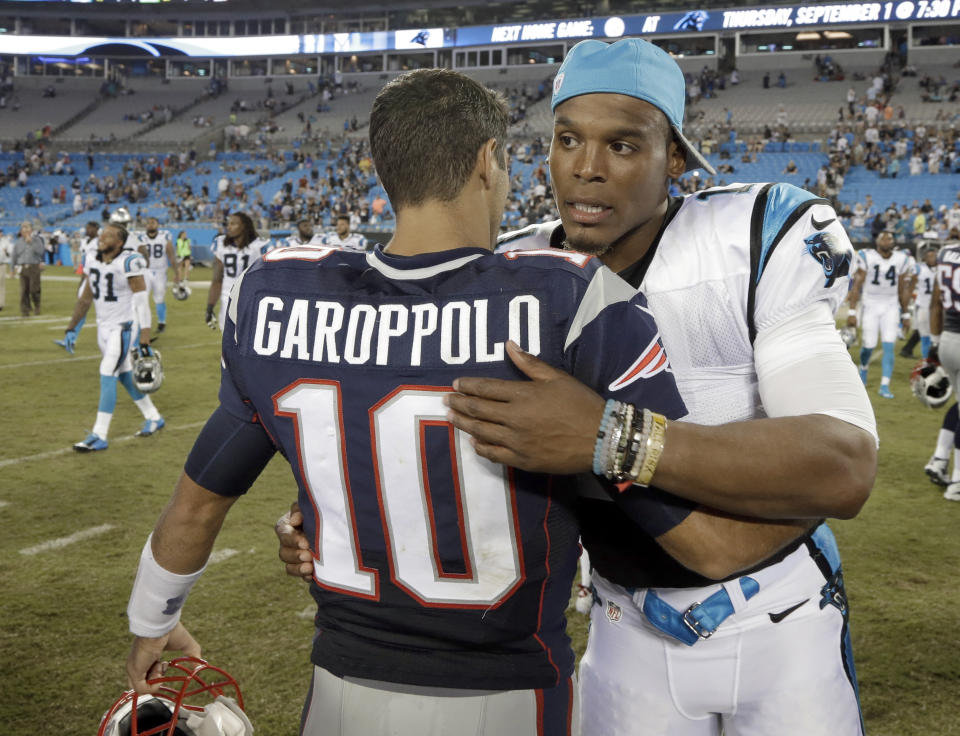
(354,241)
(882,281)
(294,240)
(237,260)
(156,249)
(88,247)
(112,295)
(926,278)
(783,250)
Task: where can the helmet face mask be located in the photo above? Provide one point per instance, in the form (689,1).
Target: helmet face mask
(192,693)
(931,384)
(181,291)
(148,372)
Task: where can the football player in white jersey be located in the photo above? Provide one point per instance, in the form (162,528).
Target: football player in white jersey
(743,282)
(116,284)
(925,281)
(343,238)
(884,281)
(304,234)
(156,246)
(233,254)
(88,246)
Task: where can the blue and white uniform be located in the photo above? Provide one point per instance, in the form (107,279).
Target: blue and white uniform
(926,278)
(235,261)
(294,240)
(744,282)
(881,294)
(157,261)
(113,299)
(354,241)
(435,568)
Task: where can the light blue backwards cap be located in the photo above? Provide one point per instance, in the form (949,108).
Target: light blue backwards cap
(631,67)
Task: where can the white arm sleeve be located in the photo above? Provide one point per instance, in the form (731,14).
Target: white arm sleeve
(803,367)
(158,596)
(141,307)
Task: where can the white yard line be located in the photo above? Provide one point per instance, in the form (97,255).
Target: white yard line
(219,555)
(64,541)
(98,357)
(67,450)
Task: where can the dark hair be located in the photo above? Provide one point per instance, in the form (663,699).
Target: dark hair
(344,217)
(249,231)
(94,223)
(121,230)
(425,130)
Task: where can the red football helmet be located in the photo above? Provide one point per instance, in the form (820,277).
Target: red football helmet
(196,699)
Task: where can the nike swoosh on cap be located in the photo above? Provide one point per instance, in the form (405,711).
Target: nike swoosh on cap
(778,617)
(820,224)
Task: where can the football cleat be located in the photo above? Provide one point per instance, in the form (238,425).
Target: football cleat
(92,443)
(195,699)
(936,470)
(931,384)
(161,326)
(885,392)
(953,492)
(151,426)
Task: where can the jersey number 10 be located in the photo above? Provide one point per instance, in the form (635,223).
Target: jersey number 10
(485,500)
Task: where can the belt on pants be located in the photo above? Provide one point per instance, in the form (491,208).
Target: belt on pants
(698,621)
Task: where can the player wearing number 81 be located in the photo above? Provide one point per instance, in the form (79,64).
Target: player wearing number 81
(885,281)
(441,578)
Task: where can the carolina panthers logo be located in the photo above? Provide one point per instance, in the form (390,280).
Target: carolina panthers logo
(833,256)
(692,21)
(421,38)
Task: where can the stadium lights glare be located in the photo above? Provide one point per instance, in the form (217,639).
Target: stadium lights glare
(808,36)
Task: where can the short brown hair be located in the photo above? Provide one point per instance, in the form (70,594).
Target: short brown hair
(425,130)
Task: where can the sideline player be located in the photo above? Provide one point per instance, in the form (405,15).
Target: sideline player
(884,282)
(233,253)
(304,234)
(441,578)
(744,282)
(342,238)
(89,245)
(926,278)
(156,246)
(945,333)
(115,283)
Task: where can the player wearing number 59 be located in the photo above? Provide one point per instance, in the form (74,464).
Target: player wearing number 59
(233,253)
(115,283)
(441,578)
(884,280)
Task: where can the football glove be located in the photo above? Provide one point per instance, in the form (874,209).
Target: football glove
(145,351)
(211,320)
(69,341)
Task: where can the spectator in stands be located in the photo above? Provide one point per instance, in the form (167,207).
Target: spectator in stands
(791,167)
(766,80)
(27,262)
(782,80)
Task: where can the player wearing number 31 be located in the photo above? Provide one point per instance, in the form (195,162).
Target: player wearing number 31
(115,283)
(884,279)
(441,579)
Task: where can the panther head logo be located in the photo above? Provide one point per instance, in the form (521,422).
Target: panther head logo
(832,254)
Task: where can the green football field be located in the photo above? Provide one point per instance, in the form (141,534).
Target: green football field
(73,526)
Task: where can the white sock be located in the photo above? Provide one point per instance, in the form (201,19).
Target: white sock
(146,407)
(956,466)
(102,425)
(944,443)
(885,380)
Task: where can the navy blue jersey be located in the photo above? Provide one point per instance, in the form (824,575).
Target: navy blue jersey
(432,565)
(948,267)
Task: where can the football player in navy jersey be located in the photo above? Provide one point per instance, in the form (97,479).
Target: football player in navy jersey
(945,348)
(441,578)
(744,281)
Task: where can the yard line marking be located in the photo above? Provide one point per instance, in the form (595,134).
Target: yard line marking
(220,555)
(30,321)
(64,541)
(66,450)
(4,504)
(52,361)
(308,612)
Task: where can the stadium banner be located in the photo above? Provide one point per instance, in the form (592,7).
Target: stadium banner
(693,21)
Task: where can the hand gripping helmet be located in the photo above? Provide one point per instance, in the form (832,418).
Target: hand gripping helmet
(181,291)
(931,384)
(849,336)
(196,699)
(148,372)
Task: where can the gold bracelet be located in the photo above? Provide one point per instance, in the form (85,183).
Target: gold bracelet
(655,445)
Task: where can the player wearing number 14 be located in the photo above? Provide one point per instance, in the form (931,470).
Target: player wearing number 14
(441,579)
(884,279)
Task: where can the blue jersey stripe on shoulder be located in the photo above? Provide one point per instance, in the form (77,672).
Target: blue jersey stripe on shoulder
(782,201)
(129,260)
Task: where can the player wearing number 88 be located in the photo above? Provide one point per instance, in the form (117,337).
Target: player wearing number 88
(441,578)
(884,280)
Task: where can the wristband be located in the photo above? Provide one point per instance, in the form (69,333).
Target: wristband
(157,596)
(209,311)
(935,340)
(905,315)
